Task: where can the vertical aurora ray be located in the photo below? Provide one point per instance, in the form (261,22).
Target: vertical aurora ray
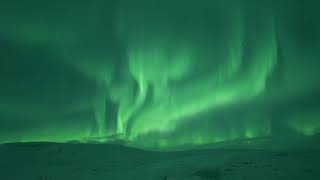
(100,112)
(124,117)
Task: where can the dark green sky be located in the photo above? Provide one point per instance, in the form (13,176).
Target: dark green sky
(161,73)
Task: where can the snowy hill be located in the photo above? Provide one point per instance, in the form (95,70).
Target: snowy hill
(53,161)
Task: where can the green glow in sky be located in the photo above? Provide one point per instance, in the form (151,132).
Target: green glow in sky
(306,123)
(158,73)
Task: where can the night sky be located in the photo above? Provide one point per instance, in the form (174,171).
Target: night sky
(159,73)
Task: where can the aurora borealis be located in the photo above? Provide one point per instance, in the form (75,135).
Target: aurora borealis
(158,73)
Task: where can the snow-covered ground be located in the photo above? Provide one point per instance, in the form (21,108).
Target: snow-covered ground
(53,161)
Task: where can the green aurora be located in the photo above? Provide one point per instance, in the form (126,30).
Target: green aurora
(158,73)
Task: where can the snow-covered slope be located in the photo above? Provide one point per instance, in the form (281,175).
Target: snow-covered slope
(52,161)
